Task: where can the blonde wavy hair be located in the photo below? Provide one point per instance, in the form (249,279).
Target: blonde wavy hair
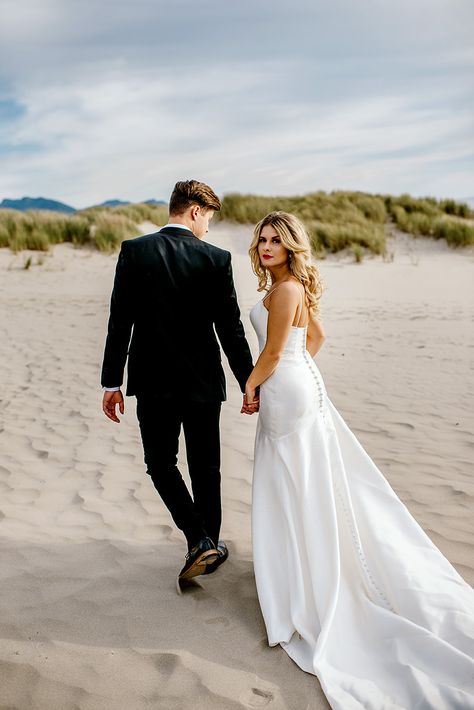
(295,239)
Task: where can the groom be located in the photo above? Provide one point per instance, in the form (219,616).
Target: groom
(172,293)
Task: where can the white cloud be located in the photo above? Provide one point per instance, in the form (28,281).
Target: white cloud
(330,95)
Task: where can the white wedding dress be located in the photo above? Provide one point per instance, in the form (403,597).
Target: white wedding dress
(348,583)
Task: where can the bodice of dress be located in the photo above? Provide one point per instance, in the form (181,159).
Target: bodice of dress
(295,347)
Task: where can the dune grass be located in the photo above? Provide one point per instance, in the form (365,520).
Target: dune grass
(357,220)
(31,230)
(138,212)
(102,228)
(446,219)
(335,221)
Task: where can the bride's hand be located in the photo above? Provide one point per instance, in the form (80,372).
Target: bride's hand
(251,401)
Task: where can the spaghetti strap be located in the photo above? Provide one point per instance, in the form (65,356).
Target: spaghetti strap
(271,291)
(301,305)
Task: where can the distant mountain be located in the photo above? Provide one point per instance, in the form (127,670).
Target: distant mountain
(112,203)
(43,203)
(119,203)
(36,203)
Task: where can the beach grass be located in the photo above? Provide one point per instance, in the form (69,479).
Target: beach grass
(447,220)
(345,219)
(108,231)
(335,221)
(137,212)
(101,228)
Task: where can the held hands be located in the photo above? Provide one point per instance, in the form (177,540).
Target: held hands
(251,401)
(109,402)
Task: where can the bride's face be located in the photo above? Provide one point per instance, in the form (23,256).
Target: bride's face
(270,248)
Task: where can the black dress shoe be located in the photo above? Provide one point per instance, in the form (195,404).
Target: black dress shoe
(223,555)
(198,557)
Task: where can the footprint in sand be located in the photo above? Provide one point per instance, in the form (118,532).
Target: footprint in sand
(218,620)
(256,698)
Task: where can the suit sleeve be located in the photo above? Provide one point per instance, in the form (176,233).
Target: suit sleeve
(120,321)
(229,328)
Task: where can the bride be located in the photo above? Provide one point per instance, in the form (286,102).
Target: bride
(348,582)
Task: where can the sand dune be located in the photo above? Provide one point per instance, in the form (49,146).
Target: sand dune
(91,616)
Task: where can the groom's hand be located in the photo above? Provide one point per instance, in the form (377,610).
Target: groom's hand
(109,402)
(250,407)
(251,401)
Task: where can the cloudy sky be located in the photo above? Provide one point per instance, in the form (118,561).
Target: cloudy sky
(105,98)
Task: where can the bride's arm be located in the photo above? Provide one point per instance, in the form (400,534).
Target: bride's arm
(315,337)
(282,310)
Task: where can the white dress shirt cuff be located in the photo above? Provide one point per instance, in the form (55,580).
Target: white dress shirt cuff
(111,389)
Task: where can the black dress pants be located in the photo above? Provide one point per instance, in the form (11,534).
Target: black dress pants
(160,425)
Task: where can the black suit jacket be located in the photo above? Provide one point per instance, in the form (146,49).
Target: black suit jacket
(175,292)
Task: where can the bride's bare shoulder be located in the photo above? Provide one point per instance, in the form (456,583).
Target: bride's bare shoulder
(285,297)
(289,289)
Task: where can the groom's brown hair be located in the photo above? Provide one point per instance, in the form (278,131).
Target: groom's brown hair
(192,192)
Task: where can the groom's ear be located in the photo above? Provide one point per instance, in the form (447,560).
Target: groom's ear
(193,211)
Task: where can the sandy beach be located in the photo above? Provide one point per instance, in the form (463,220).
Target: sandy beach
(91,618)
